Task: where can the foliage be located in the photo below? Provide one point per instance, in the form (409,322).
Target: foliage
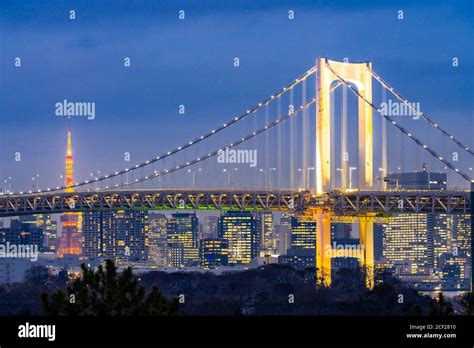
(440,306)
(106,293)
(466,303)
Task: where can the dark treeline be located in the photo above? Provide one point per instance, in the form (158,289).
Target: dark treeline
(268,290)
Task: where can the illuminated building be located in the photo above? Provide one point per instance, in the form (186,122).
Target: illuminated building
(157,244)
(212,227)
(462,233)
(299,258)
(49,227)
(214,253)
(50,233)
(70,242)
(442,225)
(429,249)
(408,244)
(303,234)
(116,234)
(239,229)
(92,234)
(432,250)
(302,251)
(283,233)
(175,254)
(157,227)
(453,251)
(160,255)
(182,228)
(265,243)
(22,234)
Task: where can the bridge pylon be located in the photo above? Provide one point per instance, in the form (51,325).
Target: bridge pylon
(358,74)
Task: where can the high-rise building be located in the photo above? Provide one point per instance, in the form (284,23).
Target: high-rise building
(214,253)
(160,255)
(265,240)
(428,248)
(442,230)
(49,227)
(408,244)
(182,228)
(20,233)
(283,231)
(378,241)
(116,234)
(211,228)
(157,226)
(157,243)
(282,234)
(50,232)
(462,235)
(303,234)
(71,240)
(301,253)
(285,219)
(239,229)
(452,249)
(175,255)
(92,233)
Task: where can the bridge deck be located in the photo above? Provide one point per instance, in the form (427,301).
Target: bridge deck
(341,203)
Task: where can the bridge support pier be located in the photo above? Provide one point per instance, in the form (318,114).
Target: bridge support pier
(323,246)
(366,243)
(325,252)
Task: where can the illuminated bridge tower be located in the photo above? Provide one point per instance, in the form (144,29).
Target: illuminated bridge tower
(70,242)
(357,74)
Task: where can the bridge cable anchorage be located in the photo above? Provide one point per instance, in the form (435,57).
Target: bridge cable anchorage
(209,134)
(421,114)
(215,152)
(403,130)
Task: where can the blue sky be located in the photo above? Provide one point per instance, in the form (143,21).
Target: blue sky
(189,62)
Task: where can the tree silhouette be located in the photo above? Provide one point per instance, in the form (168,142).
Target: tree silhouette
(107,293)
(466,303)
(440,306)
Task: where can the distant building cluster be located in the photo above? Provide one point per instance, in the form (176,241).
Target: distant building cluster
(431,251)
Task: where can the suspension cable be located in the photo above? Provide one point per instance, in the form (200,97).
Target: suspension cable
(400,128)
(421,114)
(216,152)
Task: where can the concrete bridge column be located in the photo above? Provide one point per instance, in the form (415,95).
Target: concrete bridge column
(366,243)
(323,246)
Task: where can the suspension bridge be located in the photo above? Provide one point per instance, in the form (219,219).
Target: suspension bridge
(323,198)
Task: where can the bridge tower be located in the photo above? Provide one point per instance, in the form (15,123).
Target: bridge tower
(359,75)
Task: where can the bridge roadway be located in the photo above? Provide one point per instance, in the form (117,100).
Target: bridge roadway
(349,203)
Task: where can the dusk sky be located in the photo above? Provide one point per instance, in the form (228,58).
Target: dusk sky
(190,62)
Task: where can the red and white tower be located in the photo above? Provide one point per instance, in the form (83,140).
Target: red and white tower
(70,241)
